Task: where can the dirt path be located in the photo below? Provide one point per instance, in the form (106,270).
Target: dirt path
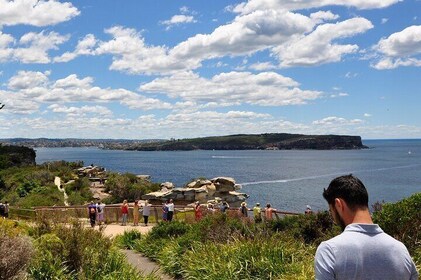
(141,263)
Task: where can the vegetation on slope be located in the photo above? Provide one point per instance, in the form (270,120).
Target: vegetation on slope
(228,247)
(258,141)
(53,251)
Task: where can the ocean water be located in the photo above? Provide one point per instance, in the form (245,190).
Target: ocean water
(289,180)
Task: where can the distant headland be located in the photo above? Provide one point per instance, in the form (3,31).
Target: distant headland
(266,141)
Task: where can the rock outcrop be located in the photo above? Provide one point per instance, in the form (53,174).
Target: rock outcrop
(200,190)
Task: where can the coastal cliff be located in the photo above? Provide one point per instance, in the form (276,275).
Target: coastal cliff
(268,141)
(16,156)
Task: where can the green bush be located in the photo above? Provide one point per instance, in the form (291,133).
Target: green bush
(262,258)
(402,220)
(75,252)
(128,239)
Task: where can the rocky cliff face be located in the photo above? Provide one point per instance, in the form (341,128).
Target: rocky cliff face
(16,156)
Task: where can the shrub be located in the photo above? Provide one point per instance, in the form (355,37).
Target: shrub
(273,258)
(15,250)
(402,220)
(128,239)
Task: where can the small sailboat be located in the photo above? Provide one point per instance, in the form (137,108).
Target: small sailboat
(409,152)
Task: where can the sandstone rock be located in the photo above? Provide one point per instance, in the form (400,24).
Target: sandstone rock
(166,186)
(224,184)
(202,191)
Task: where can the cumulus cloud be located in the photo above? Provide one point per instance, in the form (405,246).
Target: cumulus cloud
(35,12)
(233,88)
(81,111)
(318,47)
(84,47)
(262,66)
(31,47)
(333,121)
(132,54)
(294,5)
(37,87)
(400,49)
(178,20)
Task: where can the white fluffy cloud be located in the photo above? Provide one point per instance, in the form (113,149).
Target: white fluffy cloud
(234,88)
(177,20)
(293,5)
(35,12)
(84,47)
(81,111)
(318,47)
(31,47)
(400,49)
(334,121)
(39,89)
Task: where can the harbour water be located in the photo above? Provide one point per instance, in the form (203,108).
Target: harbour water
(289,180)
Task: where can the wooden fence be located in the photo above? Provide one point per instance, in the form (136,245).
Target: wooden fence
(112,213)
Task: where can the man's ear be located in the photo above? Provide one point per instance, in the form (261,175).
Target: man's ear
(339,205)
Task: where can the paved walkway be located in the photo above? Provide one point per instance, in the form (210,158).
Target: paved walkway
(137,260)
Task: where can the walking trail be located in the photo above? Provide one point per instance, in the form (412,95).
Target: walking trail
(138,261)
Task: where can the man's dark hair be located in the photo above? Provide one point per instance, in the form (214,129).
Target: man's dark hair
(350,189)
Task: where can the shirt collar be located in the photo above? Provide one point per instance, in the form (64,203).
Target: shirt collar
(367,228)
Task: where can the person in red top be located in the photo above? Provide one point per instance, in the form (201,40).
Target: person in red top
(197,211)
(124,212)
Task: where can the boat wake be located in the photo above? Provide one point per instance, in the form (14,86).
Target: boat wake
(326,175)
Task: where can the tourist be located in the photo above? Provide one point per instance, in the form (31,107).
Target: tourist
(243,209)
(124,212)
(100,212)
(92,211)
(136,213)
(257,213)
(197,211)
(269,212)
(210,208)
(146,212)
(2,210)
(308,210)
(170,214)
(6,209)
(362,250)
(164,212)
(224,207)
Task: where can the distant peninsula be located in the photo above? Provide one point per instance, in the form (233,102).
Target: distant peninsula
(266,141)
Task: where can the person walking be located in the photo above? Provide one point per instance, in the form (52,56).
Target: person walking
(257,213)
(146,212)
(136,213)
(170,206)
(92,212)
(124,212)
(363,250)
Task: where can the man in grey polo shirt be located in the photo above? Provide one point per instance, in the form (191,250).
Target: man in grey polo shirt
(362,250)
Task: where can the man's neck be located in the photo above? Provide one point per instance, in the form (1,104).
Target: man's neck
(361,217)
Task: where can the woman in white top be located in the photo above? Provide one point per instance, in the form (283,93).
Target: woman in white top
(146,209)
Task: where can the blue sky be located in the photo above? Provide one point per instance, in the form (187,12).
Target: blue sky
(181,69)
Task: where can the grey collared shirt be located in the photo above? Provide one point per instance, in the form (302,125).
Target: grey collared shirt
(364,251)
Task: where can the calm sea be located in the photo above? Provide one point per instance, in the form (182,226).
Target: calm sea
(289,180)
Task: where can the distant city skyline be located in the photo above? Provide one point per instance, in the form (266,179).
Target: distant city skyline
(184,69)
